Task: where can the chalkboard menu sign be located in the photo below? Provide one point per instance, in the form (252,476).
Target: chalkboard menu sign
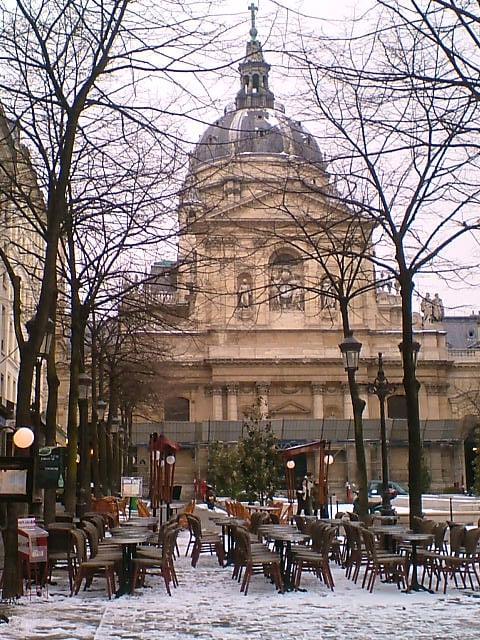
(50,467)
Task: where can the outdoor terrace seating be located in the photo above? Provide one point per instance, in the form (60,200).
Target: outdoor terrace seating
(157,561)
(204,541)
(253,560)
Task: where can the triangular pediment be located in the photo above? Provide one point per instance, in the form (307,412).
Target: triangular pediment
(272,207)
(289,408)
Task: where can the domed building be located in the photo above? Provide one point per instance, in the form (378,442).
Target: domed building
(255,319)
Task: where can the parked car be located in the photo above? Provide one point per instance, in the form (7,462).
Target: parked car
(394,488)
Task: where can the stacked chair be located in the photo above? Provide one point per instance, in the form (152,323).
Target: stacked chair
(203,541)
(315,558)
(252,559)
(158,560)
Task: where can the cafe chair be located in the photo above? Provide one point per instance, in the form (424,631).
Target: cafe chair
(315,559)
(204,541)
(254,559)
(390,566)
(463,563)
(61,551)
(157,562)
(189,508)
(142,509)
(431,558)
(354,551)
(87,569)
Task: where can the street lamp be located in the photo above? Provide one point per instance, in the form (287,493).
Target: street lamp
(350,349)
(84,384)
(23,437)
(382,388)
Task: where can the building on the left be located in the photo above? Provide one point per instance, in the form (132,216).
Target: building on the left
(21,251)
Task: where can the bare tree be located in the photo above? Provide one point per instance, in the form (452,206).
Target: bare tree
(404,153)
(72,74)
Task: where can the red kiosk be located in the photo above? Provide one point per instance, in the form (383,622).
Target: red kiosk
(324,458)
(162,470)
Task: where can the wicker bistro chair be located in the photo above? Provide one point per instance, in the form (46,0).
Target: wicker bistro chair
(204,541)
(254,559)
(431,558)
(315,558)
(61,550)
(355,551)
(159,561)
(89,568)
(463,562)
(391,566)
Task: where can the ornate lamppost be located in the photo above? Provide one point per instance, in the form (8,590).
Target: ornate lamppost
(350,349)
(382,388)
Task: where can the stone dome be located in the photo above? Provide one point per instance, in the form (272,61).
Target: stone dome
(255,124)
(255,130)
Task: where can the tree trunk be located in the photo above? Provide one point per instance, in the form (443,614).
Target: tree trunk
(411,387)
(50,495)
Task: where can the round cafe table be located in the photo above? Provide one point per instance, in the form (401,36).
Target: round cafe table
(414,539)
(129,543)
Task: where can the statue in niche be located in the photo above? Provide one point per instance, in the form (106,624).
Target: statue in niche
(328,295)
(244,295)
(285,290)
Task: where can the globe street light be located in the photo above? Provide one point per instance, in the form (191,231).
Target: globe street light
(382,388)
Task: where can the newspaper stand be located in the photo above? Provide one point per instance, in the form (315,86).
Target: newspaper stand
(32,553)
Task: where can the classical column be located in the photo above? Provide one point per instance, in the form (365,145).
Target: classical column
(347,402)
(232,405)
(317,399)
(216,392)
(262,392)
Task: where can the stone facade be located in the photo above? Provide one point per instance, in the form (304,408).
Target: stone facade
(256,316)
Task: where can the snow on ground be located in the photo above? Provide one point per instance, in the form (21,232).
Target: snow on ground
(208,605)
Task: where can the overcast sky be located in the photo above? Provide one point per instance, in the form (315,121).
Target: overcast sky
(278,24)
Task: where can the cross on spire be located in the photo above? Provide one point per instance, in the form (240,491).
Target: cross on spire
(253,30)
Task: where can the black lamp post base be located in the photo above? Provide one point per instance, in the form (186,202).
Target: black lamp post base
(387,509)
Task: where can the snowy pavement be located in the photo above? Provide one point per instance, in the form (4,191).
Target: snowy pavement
(208,605)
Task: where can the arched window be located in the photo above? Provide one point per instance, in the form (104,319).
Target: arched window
(256,82)
(177,409)
(286,282)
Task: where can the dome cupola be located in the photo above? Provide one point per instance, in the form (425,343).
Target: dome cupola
(255,124)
